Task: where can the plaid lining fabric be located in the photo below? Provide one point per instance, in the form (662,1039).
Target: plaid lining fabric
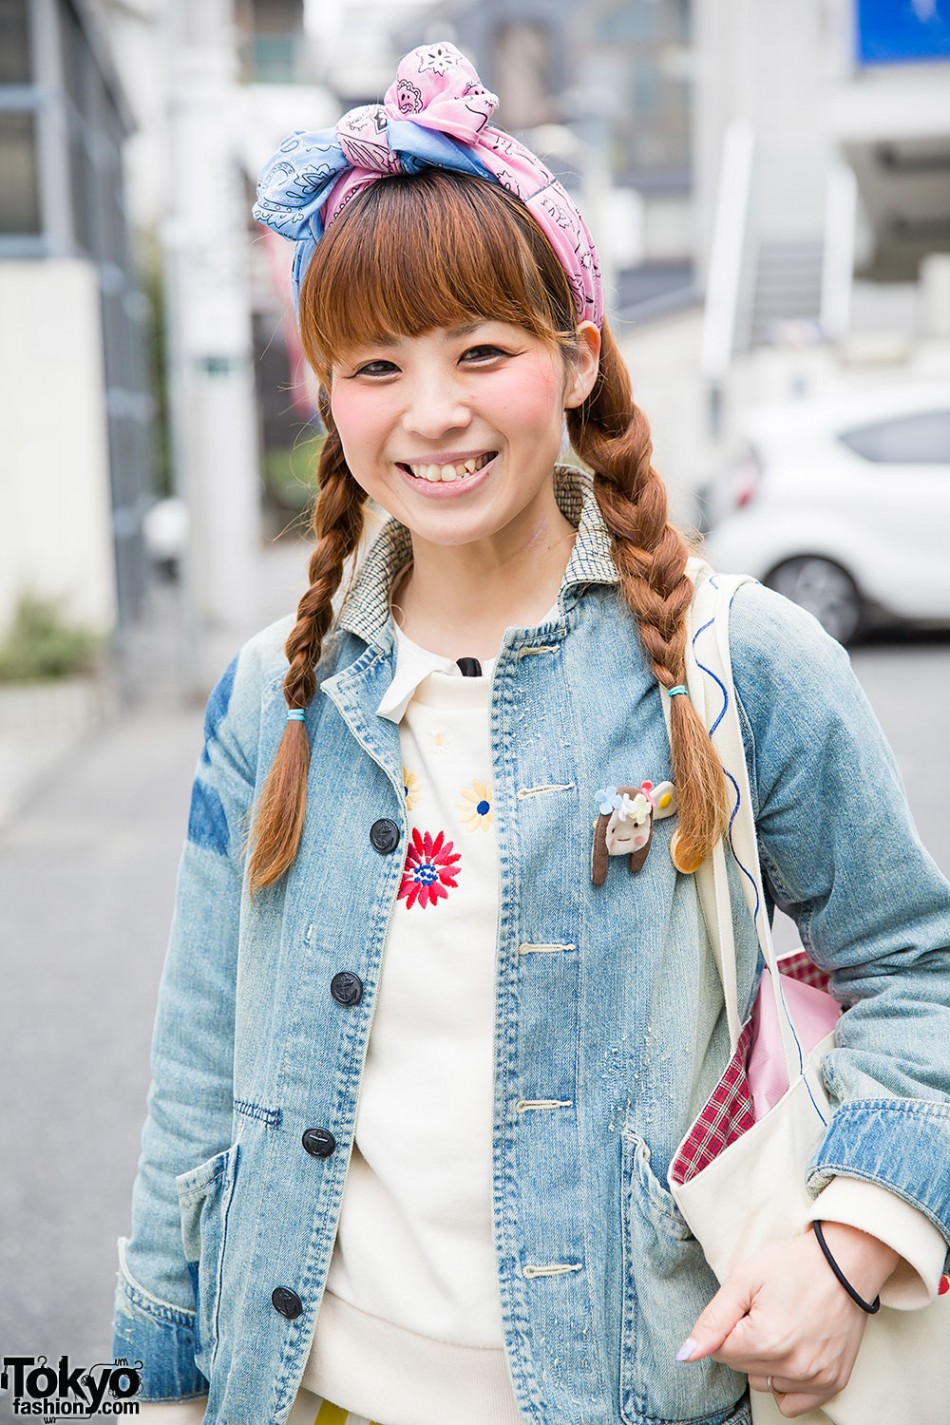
(728,1112)
(726,1116)
(799,967)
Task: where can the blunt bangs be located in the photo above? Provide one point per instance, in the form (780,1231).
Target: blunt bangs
(416,252)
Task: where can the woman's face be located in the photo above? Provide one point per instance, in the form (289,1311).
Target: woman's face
(416,415)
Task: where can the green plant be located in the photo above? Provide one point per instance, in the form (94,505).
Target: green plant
(150,265)
(290,473)
(41,643)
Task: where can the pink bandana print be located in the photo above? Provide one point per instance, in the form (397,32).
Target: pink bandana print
(437,88)
(430,866)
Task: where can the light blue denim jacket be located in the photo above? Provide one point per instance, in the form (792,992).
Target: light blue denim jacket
(626,1022)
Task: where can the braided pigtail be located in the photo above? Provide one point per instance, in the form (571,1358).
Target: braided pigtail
(611,434)
(338,526)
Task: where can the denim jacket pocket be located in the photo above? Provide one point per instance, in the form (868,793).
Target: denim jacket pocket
(204,1196)
(666,1284)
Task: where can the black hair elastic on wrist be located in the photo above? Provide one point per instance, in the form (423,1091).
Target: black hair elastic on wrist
(870,1307)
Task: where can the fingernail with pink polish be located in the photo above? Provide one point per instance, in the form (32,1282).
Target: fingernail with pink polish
(686,1350)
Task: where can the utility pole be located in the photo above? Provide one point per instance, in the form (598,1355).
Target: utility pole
(211,378)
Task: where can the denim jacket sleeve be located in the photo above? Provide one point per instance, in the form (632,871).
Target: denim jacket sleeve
(841,855)
(190,1099)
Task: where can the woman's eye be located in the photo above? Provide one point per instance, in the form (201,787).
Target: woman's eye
(372,368)
(482,353)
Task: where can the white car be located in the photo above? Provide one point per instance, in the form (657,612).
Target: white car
(843,505)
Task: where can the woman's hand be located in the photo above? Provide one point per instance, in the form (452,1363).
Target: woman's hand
(782,1315)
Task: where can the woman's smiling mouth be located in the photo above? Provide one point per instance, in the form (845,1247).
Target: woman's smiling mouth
(460,470)
(449,482)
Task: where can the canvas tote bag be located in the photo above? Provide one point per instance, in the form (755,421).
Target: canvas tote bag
(738,1177)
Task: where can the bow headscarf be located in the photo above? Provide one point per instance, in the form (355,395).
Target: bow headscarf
(434,115)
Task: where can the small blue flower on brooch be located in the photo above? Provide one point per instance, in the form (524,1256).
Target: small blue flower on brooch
(625,824)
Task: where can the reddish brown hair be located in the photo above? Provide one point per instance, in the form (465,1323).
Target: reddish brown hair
(438,249)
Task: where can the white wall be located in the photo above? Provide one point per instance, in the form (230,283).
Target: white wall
(55,503)
(664,361)
(769,64)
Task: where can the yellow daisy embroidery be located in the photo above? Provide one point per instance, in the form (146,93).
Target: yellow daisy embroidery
(411,784)
(475,807)
(440,740)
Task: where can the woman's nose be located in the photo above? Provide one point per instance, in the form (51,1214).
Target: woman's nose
(435,405)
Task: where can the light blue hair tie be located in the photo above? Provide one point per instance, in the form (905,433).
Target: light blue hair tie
(671,692)
(295,714)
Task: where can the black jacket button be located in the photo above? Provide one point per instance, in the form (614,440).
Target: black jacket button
(287,1302)
(346,988)
(384,835)
(319,1142)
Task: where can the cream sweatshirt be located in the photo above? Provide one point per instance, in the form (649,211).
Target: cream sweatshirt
(412,1293)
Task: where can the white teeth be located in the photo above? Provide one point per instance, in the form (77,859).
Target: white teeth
(435,473)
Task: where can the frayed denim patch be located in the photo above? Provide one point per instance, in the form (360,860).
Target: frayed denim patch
(218,705)
(207,823)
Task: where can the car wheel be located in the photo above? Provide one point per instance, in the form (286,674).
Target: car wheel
(824,589)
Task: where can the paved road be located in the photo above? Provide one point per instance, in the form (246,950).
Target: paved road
(86,884)
(908,684)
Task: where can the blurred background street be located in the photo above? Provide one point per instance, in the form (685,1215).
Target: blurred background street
(769,186)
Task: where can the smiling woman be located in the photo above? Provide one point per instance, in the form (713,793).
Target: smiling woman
(425,1051)
(478,340)
(500,402)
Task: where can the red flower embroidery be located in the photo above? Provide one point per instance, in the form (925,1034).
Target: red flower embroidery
(430,867)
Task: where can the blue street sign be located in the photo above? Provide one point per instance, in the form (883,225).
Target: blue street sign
(902,31)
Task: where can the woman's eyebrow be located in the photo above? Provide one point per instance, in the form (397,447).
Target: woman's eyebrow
(450,332)
(465,329)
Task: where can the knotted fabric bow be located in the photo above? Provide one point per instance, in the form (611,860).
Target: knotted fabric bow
(434,115)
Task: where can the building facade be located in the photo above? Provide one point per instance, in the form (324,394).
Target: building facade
(73,388)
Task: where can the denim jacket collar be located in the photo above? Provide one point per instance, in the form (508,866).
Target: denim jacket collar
(365,608)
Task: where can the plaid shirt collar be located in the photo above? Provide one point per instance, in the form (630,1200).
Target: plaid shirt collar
(365,608)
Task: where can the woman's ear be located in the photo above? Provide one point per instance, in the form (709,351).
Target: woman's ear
(585,364)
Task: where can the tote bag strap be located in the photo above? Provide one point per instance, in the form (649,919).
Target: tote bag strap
(712,693)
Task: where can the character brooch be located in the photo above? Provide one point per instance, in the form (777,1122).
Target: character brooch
(625,824)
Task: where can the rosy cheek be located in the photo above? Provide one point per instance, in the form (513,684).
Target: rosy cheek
(639,841)
(345,405)
(533,392)
(360,419)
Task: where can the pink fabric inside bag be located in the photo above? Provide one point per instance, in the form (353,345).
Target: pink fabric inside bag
(814,1014)
(756,1078)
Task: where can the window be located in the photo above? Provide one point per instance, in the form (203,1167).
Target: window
(15,58)
(920,439)
(77,61)
(277,17)
(20,209)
